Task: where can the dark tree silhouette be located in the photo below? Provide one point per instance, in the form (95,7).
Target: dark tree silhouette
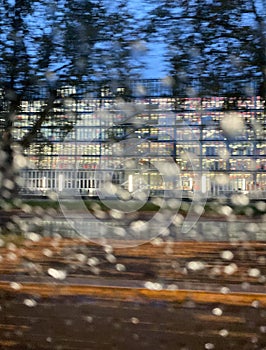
(45,47)
(213,47)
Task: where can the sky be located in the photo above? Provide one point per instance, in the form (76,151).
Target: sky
(155,64)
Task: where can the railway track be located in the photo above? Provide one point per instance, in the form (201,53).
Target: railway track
(164,295)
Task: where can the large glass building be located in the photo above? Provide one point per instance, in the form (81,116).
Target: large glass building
(212,144)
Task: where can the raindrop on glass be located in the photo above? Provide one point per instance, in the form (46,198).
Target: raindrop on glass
(30,302)
(217,311)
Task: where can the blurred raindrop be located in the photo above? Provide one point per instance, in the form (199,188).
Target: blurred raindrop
(57,274)
(30,302)
(223,332)
(255,304)
(196,265)
(225,290)
(88,319)
(217,311)
(15,285)
(232,125)
(254,272)
(227,255)
(230,269)
(120,267)
(134,320)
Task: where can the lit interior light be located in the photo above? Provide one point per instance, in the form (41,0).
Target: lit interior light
(130,183)
(60,182)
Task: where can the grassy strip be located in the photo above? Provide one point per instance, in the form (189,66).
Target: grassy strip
(213,208)
(90,204)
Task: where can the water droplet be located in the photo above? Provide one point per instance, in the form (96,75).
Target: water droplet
(20,161)
(111,258)
(135,336)
(223,332)
(11,247)
(108,249)
(26,208)
(99,214)
(261,260)
(81,257)
(11,256)
(254,339)
(30,302)
(198,209)
(52,195)
(230,269)
(148,285)
(232,125)
(196,265)
(226,210)
(262,279)
(225,290)
(263,329)
(57,274)
(255,304)
(134,320)
(173,203)
(93,261)
(172,287)
(153,285)
(120,267)
(209,346)
(178,220)
(227,255)
(32,236)
(215,271)
(9,184)
(217,311)
(261,206)
(254,272)
(47,252)
(88,319)
(15,285)
(116,214)
(139,226)
(157,242)
(240,199)
(221,179)
(120,231)
(245,285)
(95,270)
(252,227)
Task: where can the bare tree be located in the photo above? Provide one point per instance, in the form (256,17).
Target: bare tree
(212,46)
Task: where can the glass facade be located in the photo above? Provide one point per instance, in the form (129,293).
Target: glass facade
(127,141)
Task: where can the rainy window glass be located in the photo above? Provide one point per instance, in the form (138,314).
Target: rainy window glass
(132,174)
